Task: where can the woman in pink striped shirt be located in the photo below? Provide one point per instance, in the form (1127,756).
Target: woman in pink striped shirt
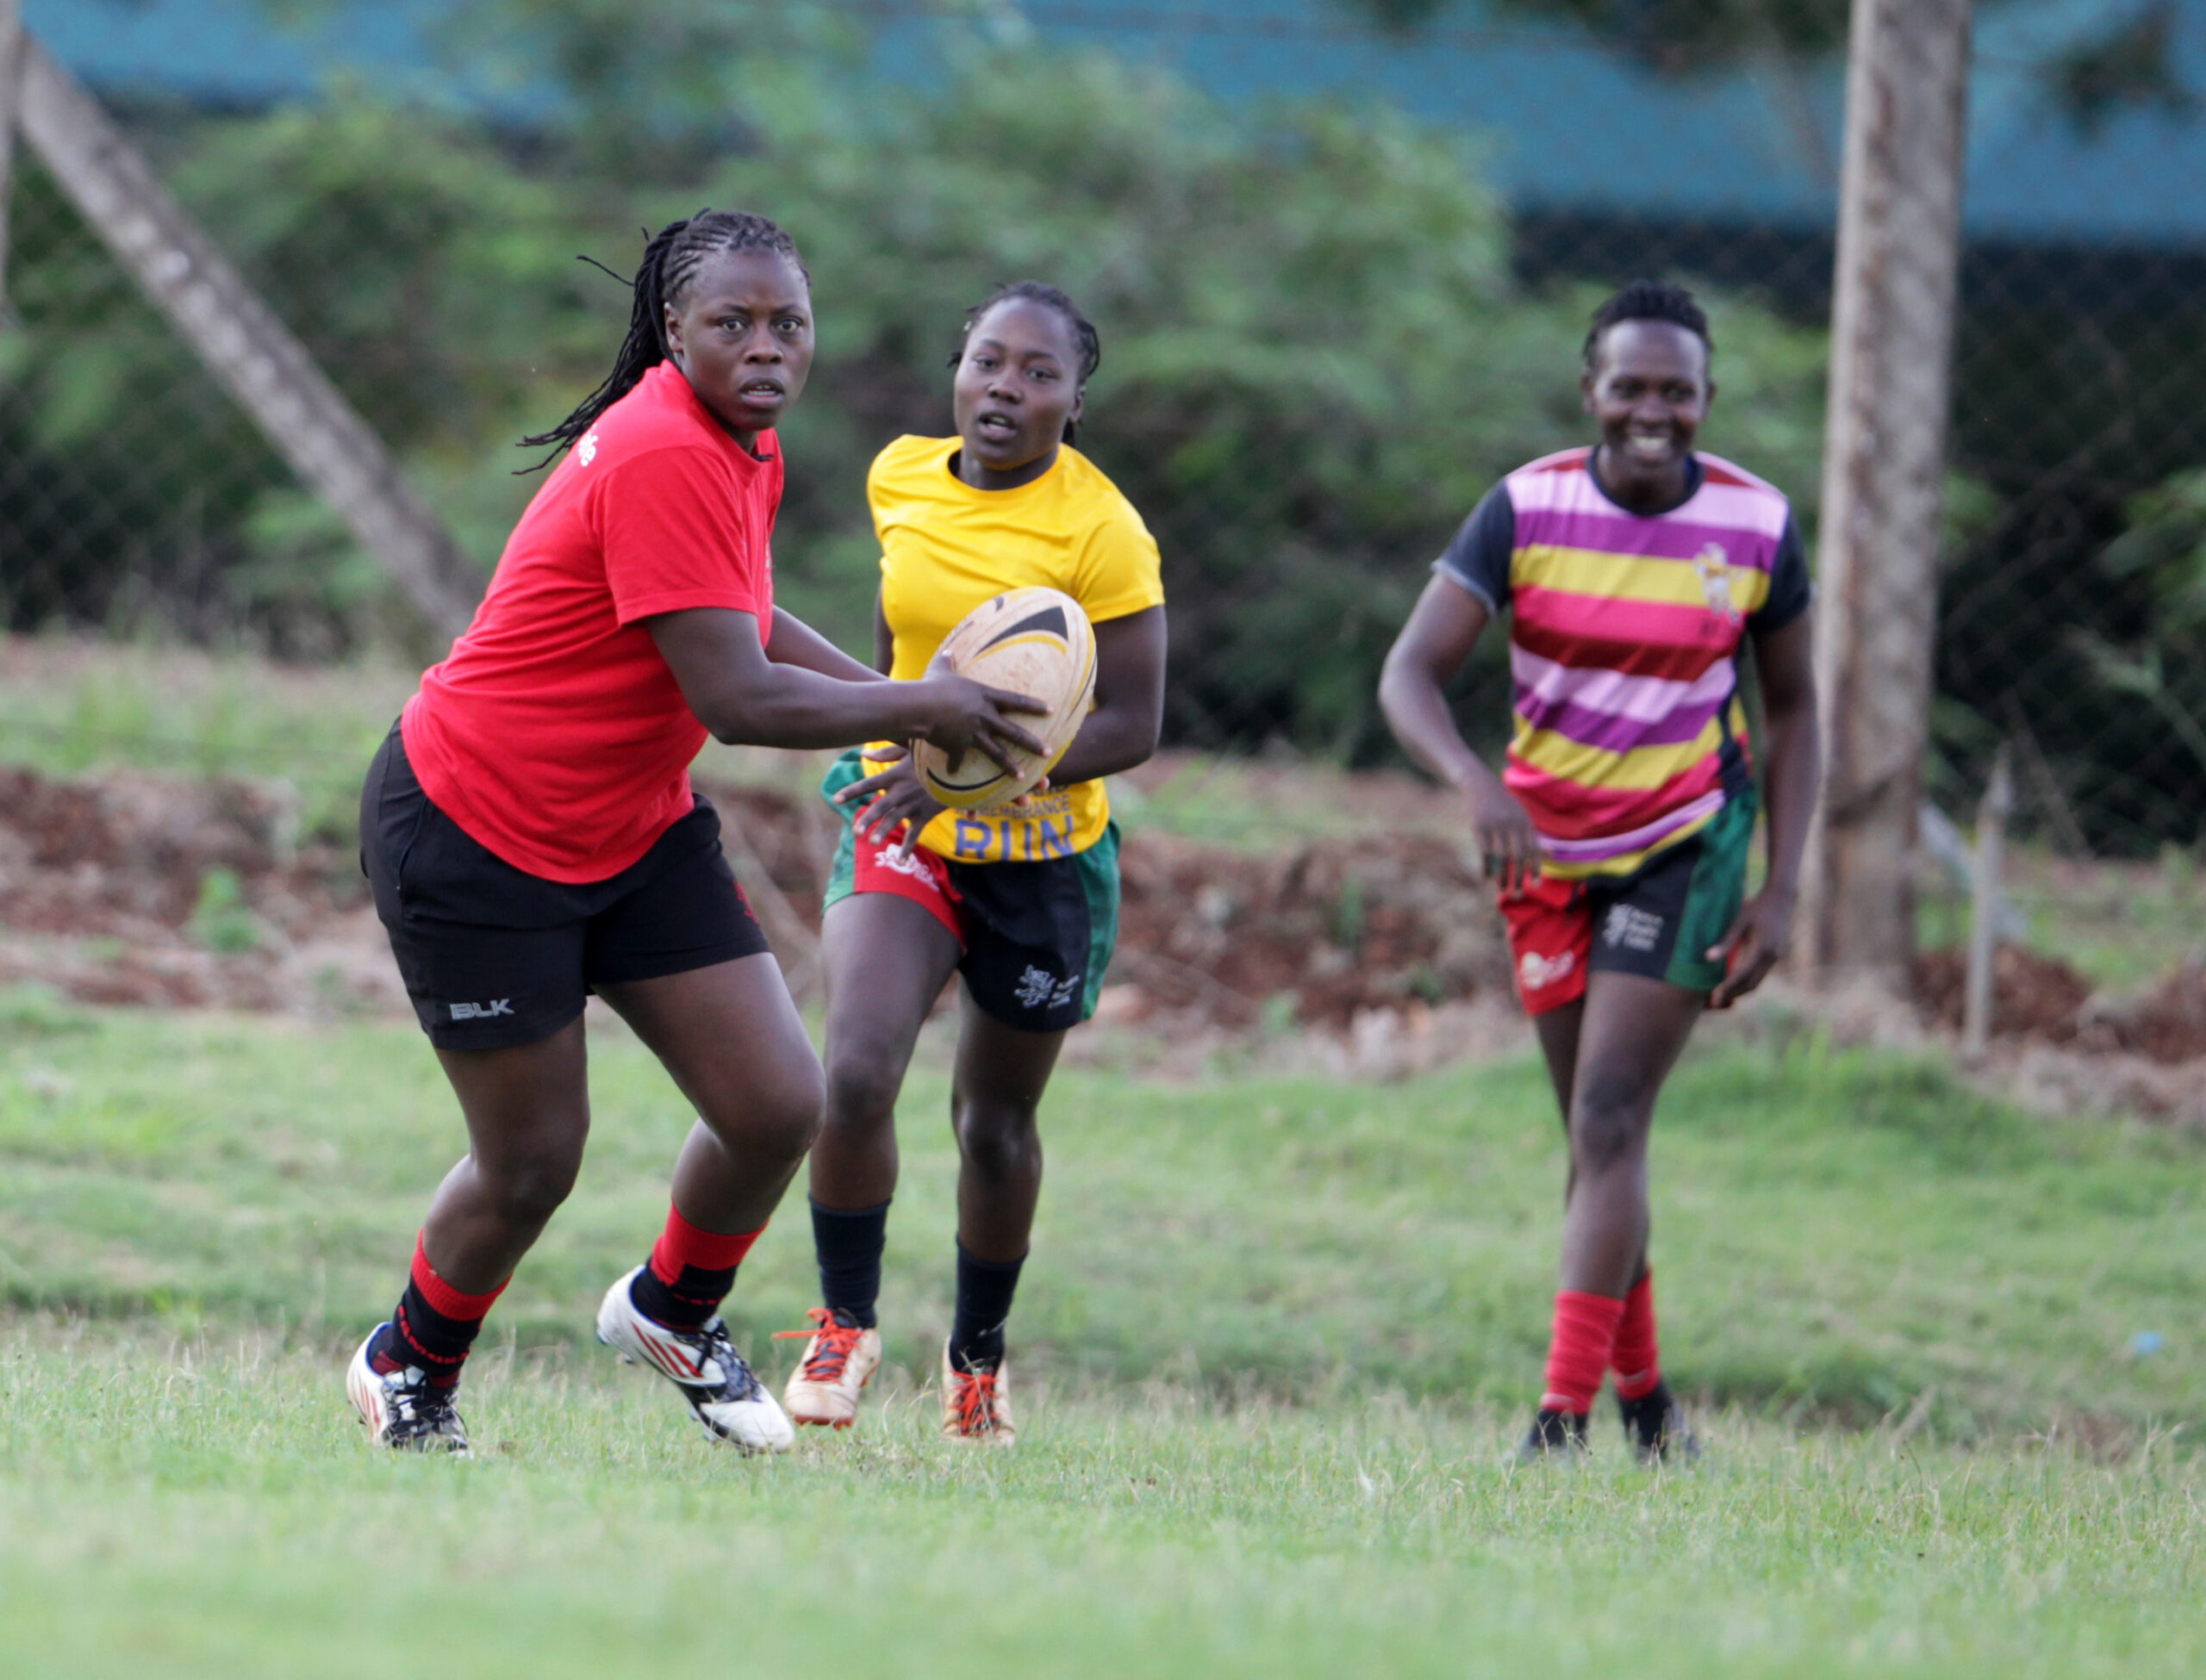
(1618,830)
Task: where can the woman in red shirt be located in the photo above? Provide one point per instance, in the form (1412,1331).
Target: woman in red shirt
(531,834)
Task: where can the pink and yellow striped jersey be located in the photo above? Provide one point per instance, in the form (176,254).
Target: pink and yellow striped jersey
(1624,647)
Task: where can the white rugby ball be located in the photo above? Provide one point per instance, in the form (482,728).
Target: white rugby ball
(1032,641)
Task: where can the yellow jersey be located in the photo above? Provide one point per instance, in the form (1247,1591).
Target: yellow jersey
(946,547)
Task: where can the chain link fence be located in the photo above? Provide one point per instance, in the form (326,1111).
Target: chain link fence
(1332,313)
(127,477)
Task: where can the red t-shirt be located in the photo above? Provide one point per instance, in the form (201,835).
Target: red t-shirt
(554,733)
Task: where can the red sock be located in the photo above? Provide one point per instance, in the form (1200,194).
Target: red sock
(451,1302)
(434,1325)
(1584,1334)
(682,1244)
(691,1272)
(1638,1367)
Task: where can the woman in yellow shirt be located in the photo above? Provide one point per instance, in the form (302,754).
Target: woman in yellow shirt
(1022,903)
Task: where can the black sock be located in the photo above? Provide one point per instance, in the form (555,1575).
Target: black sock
(687,1303)
(418,1335)
(849,1243)
(984,1292)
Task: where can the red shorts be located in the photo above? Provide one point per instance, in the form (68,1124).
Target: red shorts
(923,877)
(1659,923)
(1550,939)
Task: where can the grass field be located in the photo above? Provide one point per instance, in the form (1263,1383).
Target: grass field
(1276,1341)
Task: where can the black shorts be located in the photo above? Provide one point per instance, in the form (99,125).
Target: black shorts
(493,956)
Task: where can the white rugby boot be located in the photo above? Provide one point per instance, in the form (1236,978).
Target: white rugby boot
(402,1409)
(976,1404)
(840,1361)
(703,1364)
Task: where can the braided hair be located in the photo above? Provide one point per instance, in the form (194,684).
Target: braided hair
(1089,342)
(671,259)
(1649,300)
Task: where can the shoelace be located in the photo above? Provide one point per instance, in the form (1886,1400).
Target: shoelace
(711,1340)
(419,1409)
(834,1344)
(975,1400)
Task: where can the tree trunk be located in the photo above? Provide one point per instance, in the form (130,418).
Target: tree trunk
(1884,471)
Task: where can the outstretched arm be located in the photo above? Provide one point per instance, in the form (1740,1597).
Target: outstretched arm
(796,643)
(1793,745)
(742,696)
(1442,629)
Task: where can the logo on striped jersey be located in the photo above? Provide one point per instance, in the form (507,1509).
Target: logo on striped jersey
(1713,566)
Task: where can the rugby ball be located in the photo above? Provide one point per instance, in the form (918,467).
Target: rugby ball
(1034,642)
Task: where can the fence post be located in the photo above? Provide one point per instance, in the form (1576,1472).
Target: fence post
(11,79)
(1985,904)
(1884,469)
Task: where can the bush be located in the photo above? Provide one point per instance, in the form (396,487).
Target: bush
(1315,355)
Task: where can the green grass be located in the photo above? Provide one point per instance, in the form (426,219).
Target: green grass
(1838,1235)
(2120,924)
(2123,924)
(1274,1342)
(71,707)
(202,1511)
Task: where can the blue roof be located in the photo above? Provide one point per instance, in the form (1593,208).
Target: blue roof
(230,50)
(1574,127)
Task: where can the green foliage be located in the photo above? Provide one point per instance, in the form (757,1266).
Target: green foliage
(653,93)
(407,253)
(2165,547)
(430,277)
(1316,356)
(1668,34)
(2134,65)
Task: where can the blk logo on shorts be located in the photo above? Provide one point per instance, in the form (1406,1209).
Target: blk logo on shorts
(483,1012)
(1631,928)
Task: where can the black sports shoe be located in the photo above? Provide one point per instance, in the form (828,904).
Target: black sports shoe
(1657,1427)
(1554,1435)
(402,1408)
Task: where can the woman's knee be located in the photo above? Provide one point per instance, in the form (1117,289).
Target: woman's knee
(863,1081)
(997,1138)
(528,1185)
(1609,1119)
(777,1112)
